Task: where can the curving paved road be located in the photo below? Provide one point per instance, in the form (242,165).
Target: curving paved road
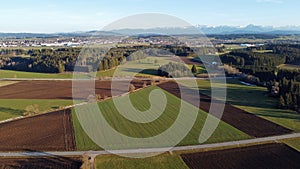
(152,150)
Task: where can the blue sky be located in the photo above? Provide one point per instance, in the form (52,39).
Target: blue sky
(81,15)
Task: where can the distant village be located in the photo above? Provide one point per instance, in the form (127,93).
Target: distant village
(82,41)
(187,40)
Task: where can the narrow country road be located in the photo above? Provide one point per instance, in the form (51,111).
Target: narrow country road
(152,150)
(115,79)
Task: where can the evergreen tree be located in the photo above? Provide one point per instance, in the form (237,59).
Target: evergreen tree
(105,64)
(194,69)
(289,100)
(61,67)
(282,102)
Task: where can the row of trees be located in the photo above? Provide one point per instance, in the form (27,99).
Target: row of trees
(41,60)
(109,63)
(289,84)
(289,51)
(12,52)
(48,60)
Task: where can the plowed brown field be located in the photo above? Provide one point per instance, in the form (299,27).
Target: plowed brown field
(40,163)
(275,156)
(48,132)
(62,89)
(240,119)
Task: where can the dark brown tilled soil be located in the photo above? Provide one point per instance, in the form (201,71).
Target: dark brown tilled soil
(270,156)
(240,119)
(40,163)
(63,89)
(48,132)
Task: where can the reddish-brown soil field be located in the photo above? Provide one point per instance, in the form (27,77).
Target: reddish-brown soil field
(240,119)
(40,163)
(275,156)
(48,132)
(62,89)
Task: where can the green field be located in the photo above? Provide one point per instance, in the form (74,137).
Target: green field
(11,108)
(19,74)
(106,73)
(223,133)
(143,67)
(231,47)
(164,161)
(294,143)
(200,69)
(256,100)
(263,51)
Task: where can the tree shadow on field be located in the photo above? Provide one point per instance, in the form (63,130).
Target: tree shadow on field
(142,71)
(279,114)
(12,111)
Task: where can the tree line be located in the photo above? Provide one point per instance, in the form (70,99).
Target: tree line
(289,85)
(174,70)
(281,83)
(48,60)
(261,65)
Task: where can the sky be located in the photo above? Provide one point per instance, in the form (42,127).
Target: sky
(49,16)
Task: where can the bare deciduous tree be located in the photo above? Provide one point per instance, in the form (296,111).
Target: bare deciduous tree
(131,88)
(31,110)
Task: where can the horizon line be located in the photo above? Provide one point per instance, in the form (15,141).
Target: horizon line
(195,26)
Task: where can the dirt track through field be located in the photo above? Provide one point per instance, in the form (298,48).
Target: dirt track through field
(240,119)
(62,89)
(48,132)
(275,156)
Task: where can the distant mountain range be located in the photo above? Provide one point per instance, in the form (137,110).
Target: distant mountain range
(250,29)
(220,30)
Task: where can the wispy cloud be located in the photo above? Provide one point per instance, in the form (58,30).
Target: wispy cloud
(270,1)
